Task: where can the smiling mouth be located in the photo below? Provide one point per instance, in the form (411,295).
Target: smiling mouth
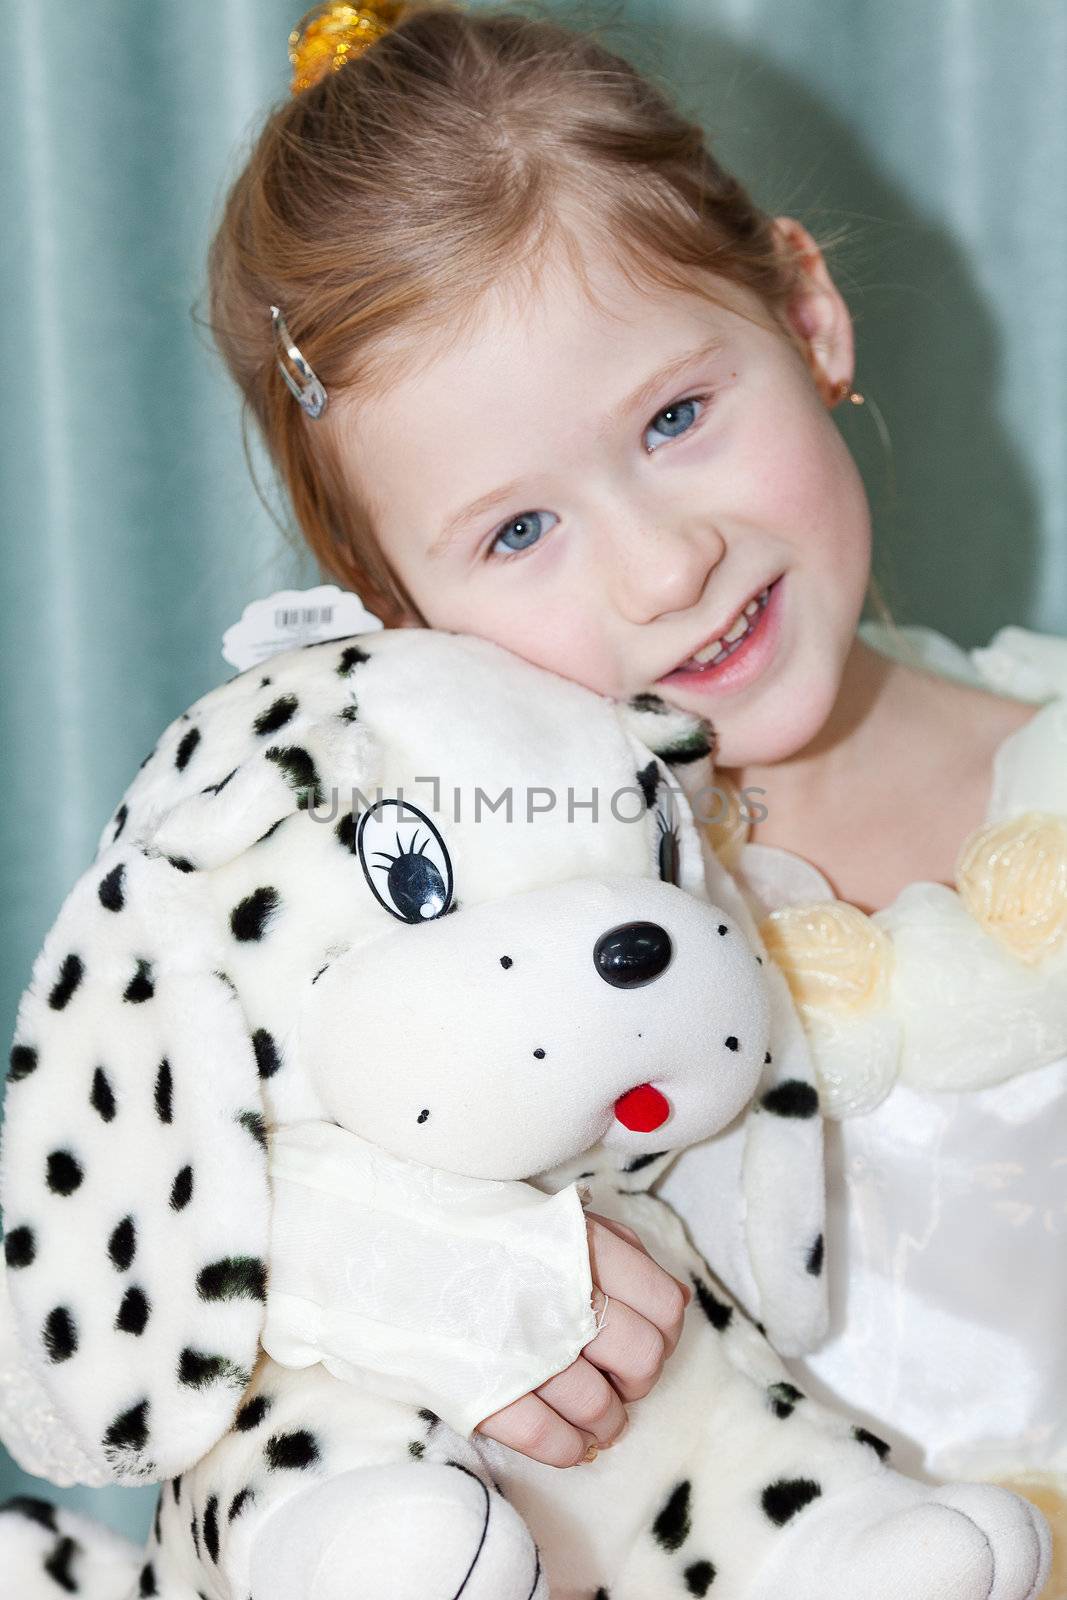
(718,650)
(642,1109)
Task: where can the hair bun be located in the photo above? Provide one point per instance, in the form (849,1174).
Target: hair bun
(329,35)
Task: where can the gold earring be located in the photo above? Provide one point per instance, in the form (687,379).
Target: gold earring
(842,388)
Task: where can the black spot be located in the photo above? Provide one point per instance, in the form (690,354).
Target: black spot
(648,778)
(864,1436)
(238,1503)
(28,1505)
(723,928)
(759,960)
(793,1098)
(59,1335)
(602,1594)
(189,743)
(20,1247)
(506,962)
(248,920)
(539,1053)
(129,1431)
(345,831)
(291,1450)
(233,1278)
(176,1487)
(257,1127)
(352,657)
(181,1190)
(164,1092)
(429,1416)
(110,890)
(211,1527)
(196,1370)
(120,821)
(349,713)
(767,1059)
(181,863)
(416,1448)
(815,1257)
(263,682)
(783,1499)
(267,1058)
(648,702)
(217,788)
(299,772)
(57,1563)
(731,1042)
(101,1096)
(783,1398)
(643,1161)
(692,747)
(699,1577)
(423,1114)
(672,1526)
(147,759)
(146,1583)
(252,1413)
(276,715)
(718,1313)
(23,1062)
(122,1246)
(142,985)
(194,1530)
(70,975)
(64,1172)
(320,972)
(225,978)
(157,1523)
(134,1312)
(272,829)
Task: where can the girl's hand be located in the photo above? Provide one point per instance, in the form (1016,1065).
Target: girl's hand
(564,1420)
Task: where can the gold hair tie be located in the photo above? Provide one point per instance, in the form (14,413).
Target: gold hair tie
(329,35)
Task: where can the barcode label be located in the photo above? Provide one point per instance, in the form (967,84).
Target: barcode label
(303,617)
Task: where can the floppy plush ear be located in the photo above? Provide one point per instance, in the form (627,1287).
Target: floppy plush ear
(133,1173)
(754,1196)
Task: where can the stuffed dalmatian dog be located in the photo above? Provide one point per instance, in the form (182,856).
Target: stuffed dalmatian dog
(317,1070)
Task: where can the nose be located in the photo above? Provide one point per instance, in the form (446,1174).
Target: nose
(632,954)
(663,566)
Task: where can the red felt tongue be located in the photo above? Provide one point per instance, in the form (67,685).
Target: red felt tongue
(642,1109)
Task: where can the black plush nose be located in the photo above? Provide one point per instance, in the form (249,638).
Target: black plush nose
(632,954)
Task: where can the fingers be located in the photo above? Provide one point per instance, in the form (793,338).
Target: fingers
(585,1399)
(630,1349)
(631,1237)
(629,1274)
(531,1426)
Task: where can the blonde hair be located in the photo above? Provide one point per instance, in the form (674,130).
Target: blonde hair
(379,206)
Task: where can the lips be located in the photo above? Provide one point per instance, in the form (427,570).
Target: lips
(642,1109)
(689,662)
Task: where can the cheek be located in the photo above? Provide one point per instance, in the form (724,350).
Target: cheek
(804,483)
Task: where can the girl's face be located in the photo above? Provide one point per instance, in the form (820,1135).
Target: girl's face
(603,489)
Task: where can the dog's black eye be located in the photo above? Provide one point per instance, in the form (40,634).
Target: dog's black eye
(405,861)
(667,841)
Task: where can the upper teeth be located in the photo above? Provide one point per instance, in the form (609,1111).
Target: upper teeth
(739,628)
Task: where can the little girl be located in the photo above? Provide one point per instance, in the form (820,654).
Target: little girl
(533,366)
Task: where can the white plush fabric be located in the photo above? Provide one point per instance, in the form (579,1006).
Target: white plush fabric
(477,994)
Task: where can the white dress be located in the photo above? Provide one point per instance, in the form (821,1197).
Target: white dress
(938,1030)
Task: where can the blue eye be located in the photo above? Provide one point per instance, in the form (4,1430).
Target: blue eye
(529,531)
(682,416)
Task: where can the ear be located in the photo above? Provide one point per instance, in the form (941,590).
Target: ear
(754,1195)
(133,1173)
(677,737)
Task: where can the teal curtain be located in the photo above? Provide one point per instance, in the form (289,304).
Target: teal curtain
(935,131)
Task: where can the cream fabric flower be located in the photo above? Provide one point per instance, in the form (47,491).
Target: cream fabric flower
(1012,877)
(834,958)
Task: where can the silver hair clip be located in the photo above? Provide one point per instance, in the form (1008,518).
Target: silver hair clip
(303,384)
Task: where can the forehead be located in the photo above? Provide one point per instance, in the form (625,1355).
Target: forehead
(573,299)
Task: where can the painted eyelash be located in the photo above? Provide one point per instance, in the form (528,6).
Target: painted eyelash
(515,555)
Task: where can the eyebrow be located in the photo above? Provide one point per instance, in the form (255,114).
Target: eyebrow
(642,396)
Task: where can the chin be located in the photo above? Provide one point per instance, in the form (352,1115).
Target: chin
(780,723)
